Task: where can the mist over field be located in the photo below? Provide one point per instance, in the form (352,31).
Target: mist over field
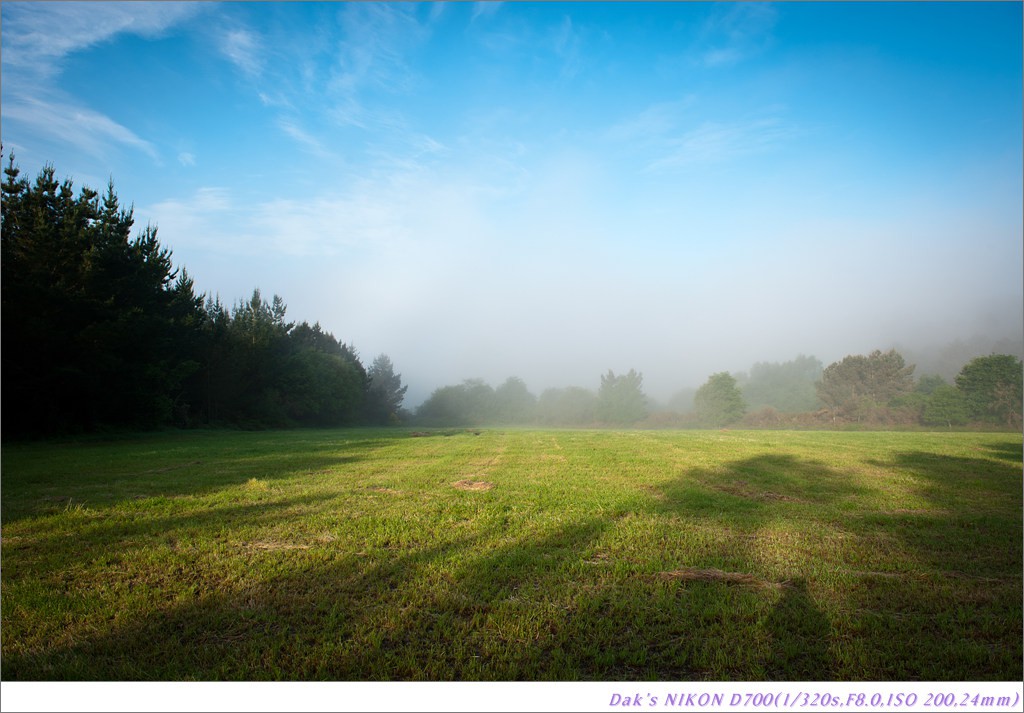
(563,343)
(551,190)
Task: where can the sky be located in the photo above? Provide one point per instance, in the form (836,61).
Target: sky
(549,190)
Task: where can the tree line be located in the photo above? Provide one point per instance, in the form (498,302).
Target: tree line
(100,331)
(876,390)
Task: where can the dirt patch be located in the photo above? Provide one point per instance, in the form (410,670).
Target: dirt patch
(382,489)
(475,485)
(693,574)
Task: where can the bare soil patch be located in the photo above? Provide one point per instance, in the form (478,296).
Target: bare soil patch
(475,485)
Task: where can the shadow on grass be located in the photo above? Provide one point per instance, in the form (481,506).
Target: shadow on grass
(1008,450)
(974,509)
(755,488)
(489,606)
(492,604)
(38,482)
(967,550)
(800,635)
(422,615)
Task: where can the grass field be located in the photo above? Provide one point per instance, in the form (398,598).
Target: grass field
(514,555)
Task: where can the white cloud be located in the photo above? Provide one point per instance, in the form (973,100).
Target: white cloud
(36,39)
(376,41)
(484,10)
(653,122)
(36,36)
(89,131)
(275,99)
(722,56)
(304,138)
(735,32)
(244,50)
(721,141)
(567,47)
(668,134)
(186,159)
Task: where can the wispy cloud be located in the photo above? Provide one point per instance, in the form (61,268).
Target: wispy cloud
(652,123)
(213,218)
(37,36)
(735,32)
(675,134)
(89,131)
(567,46)
(244,49)
(376,39)
(484,10)
(722,141)
(309,142)
(352,73)
(186,158)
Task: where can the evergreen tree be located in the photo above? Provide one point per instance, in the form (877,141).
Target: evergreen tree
(787,387)
(719,401)
(946,406)
(98,317)
(621,400)
(514,404)
(858,386)
(385,393)
(992,387)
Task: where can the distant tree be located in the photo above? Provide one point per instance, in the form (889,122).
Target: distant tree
(916,401)
(928,384)
(261,322)
(323,382)
(314,337)
(316,388)
(621,400)
(858,386)
(480,403)
(719,401)
(992,387)
(513,402)
(263,371)
(946,406)
(682,400)
(787,387)
(470,403)
(570,406)
(446,406)
(250,365)
(386,393)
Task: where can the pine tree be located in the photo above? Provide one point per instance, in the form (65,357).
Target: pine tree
(96,315)
(719,401)
(385,392)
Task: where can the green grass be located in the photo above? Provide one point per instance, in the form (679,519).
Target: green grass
(514,555)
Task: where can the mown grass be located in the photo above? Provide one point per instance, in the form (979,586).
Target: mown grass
(514,555)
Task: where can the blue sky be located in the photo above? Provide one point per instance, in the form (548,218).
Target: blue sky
(552,190)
